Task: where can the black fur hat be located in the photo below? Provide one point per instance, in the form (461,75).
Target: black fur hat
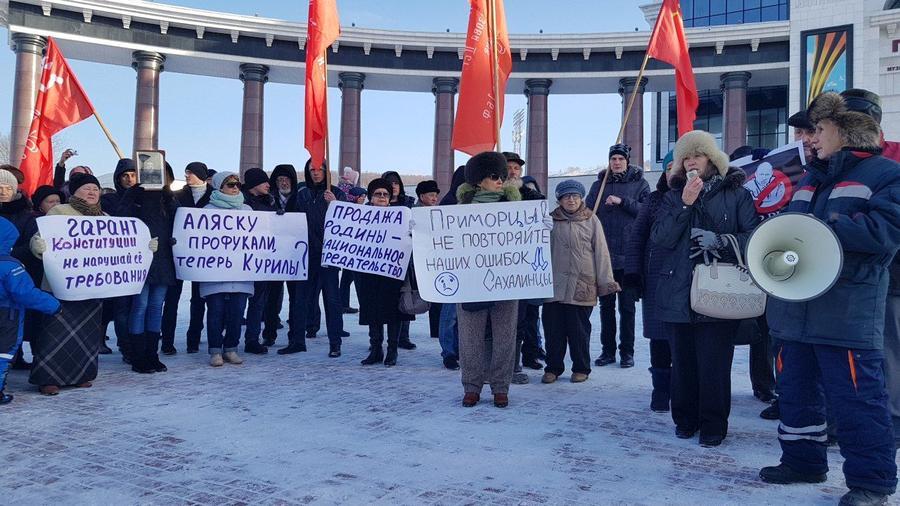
(484,165)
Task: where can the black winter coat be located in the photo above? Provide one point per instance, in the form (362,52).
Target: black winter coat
(726,209)
(633,189)
(157,210)
(379,299)
(18,212)
(185,197)
(643,258)
(110,202)
(260,202)
(311,200)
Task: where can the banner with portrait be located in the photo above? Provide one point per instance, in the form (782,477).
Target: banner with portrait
(773,179)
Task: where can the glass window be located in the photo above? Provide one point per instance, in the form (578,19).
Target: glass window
(687,9)
(735,18)
(701,8)
(751,16)
(717,7)
(701,21)
(767,3)
(750,4)
(770,13)
(735,5)
(717,20)
(782,12)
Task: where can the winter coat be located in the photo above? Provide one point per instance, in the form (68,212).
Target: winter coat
(459,177)
(403,199)
(379,299)
(185,197)
(17,290)
(643,258)
(858,194)
(311,200)
(582,270)
(291,173)
(265,203)
(725,209)
(208,288)
(156,208)
(18,211)
(110,202)
(633,189)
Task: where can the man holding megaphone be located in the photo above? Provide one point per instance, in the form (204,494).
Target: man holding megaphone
(831,347)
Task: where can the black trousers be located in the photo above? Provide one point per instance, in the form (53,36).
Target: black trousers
(170,315)
(346,280)
(567,324)
(626,321)
(660,354)
(701,376)
(762,361)
(272,311)
(434,319)
(527,331)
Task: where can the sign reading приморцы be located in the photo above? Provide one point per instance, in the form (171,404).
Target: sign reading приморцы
(95,257)
(483,252)
(230,245)
(368,239)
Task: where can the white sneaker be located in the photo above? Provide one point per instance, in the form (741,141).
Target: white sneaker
(233,358)
(215,360)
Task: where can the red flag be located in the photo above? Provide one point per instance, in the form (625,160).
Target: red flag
(473,130)
(323,29)
(669,44)
(61,102)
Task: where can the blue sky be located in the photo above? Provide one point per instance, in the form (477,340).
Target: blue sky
(200,117)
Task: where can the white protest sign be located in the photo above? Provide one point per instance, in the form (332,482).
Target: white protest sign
(95,257)
(482,252)
(367,239)
(229,245)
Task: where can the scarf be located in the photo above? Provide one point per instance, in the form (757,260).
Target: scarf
(84,208)
(197,191)
(485,197)
(712,182)
(223,201)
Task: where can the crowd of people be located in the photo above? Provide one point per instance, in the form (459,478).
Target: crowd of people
(836,358)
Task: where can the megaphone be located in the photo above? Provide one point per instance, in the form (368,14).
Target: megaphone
(794,257)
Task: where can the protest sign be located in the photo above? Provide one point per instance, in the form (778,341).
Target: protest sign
(483,252)
(228,245)
(367,239)
(772,180)
(95,257)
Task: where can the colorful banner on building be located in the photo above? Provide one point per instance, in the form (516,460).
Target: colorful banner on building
(95,257)
(483,252)
(772,180)
(367,239)
(827,61)
(228,245)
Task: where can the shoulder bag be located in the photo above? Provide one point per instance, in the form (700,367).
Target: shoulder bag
(725,290)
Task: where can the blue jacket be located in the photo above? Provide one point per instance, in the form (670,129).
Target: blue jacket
(17,290)
(858,195)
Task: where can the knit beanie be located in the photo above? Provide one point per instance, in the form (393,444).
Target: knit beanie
(7,177)
(568,187)
(80,179)
(198,169)
(620,149)
(255,177)
(220,178)
(43,192)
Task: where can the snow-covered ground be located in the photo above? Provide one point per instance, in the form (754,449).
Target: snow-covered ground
(304,429)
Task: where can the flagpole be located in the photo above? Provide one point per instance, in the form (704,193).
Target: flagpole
(109,136)
(327,128)
(495,70)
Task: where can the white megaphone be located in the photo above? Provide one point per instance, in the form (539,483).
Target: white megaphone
(794,257)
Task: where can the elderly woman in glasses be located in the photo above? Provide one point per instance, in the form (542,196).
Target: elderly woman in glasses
(485,174)
(225,300)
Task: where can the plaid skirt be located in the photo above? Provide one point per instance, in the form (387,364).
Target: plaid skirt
(67,347)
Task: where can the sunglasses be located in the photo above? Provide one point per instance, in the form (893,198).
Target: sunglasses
(381,194)
(496,177)
(233,184)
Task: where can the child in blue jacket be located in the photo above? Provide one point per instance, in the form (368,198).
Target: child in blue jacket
(17,293)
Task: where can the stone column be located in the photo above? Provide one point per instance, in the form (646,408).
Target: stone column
(442,168)
(254,77)
(29,50)
(537,91)
(634,129)
(734,110)
(351,85)
(149,66)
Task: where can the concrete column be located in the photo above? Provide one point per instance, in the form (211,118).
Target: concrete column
(351,85)
(734,110)
(634,129)
(537,91)
(442,168)
(149,66)
(29,50)
(254,77)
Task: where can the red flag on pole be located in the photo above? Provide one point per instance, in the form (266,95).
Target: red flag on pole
(323,29)
(473,130)
(61,102)
(669,44)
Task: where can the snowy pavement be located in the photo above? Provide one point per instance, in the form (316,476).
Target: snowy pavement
(306,429)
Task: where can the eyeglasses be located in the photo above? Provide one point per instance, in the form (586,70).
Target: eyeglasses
(497,177)
(381,194)
(233,184)
(570,196)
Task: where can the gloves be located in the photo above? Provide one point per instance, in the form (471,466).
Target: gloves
(173,241)
(154,244)
(548,222)
(706,240)
(279,212)
(38,245)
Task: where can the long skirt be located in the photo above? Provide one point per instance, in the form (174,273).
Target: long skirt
(66,350)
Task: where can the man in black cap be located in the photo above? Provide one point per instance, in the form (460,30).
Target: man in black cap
(428,193)
(803,131)
(257,195)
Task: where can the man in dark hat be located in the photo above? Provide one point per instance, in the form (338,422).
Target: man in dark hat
(803,131)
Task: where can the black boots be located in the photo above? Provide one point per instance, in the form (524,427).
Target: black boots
(296,346)
(126,343)
(135,350)
(659,398)
(152,339)
(5,398)
(390,358)
(784,475)
(254,347)
(376,354)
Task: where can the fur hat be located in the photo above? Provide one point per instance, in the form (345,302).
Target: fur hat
(858,129)
(43,192)
(219,179)
(569,186)
(429,186)
(377,183)
(80,179)
(198,169)
(255,177)
(484,165)
(8,178)
(699,142)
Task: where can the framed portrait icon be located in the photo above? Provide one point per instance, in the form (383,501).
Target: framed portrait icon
(151,166)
